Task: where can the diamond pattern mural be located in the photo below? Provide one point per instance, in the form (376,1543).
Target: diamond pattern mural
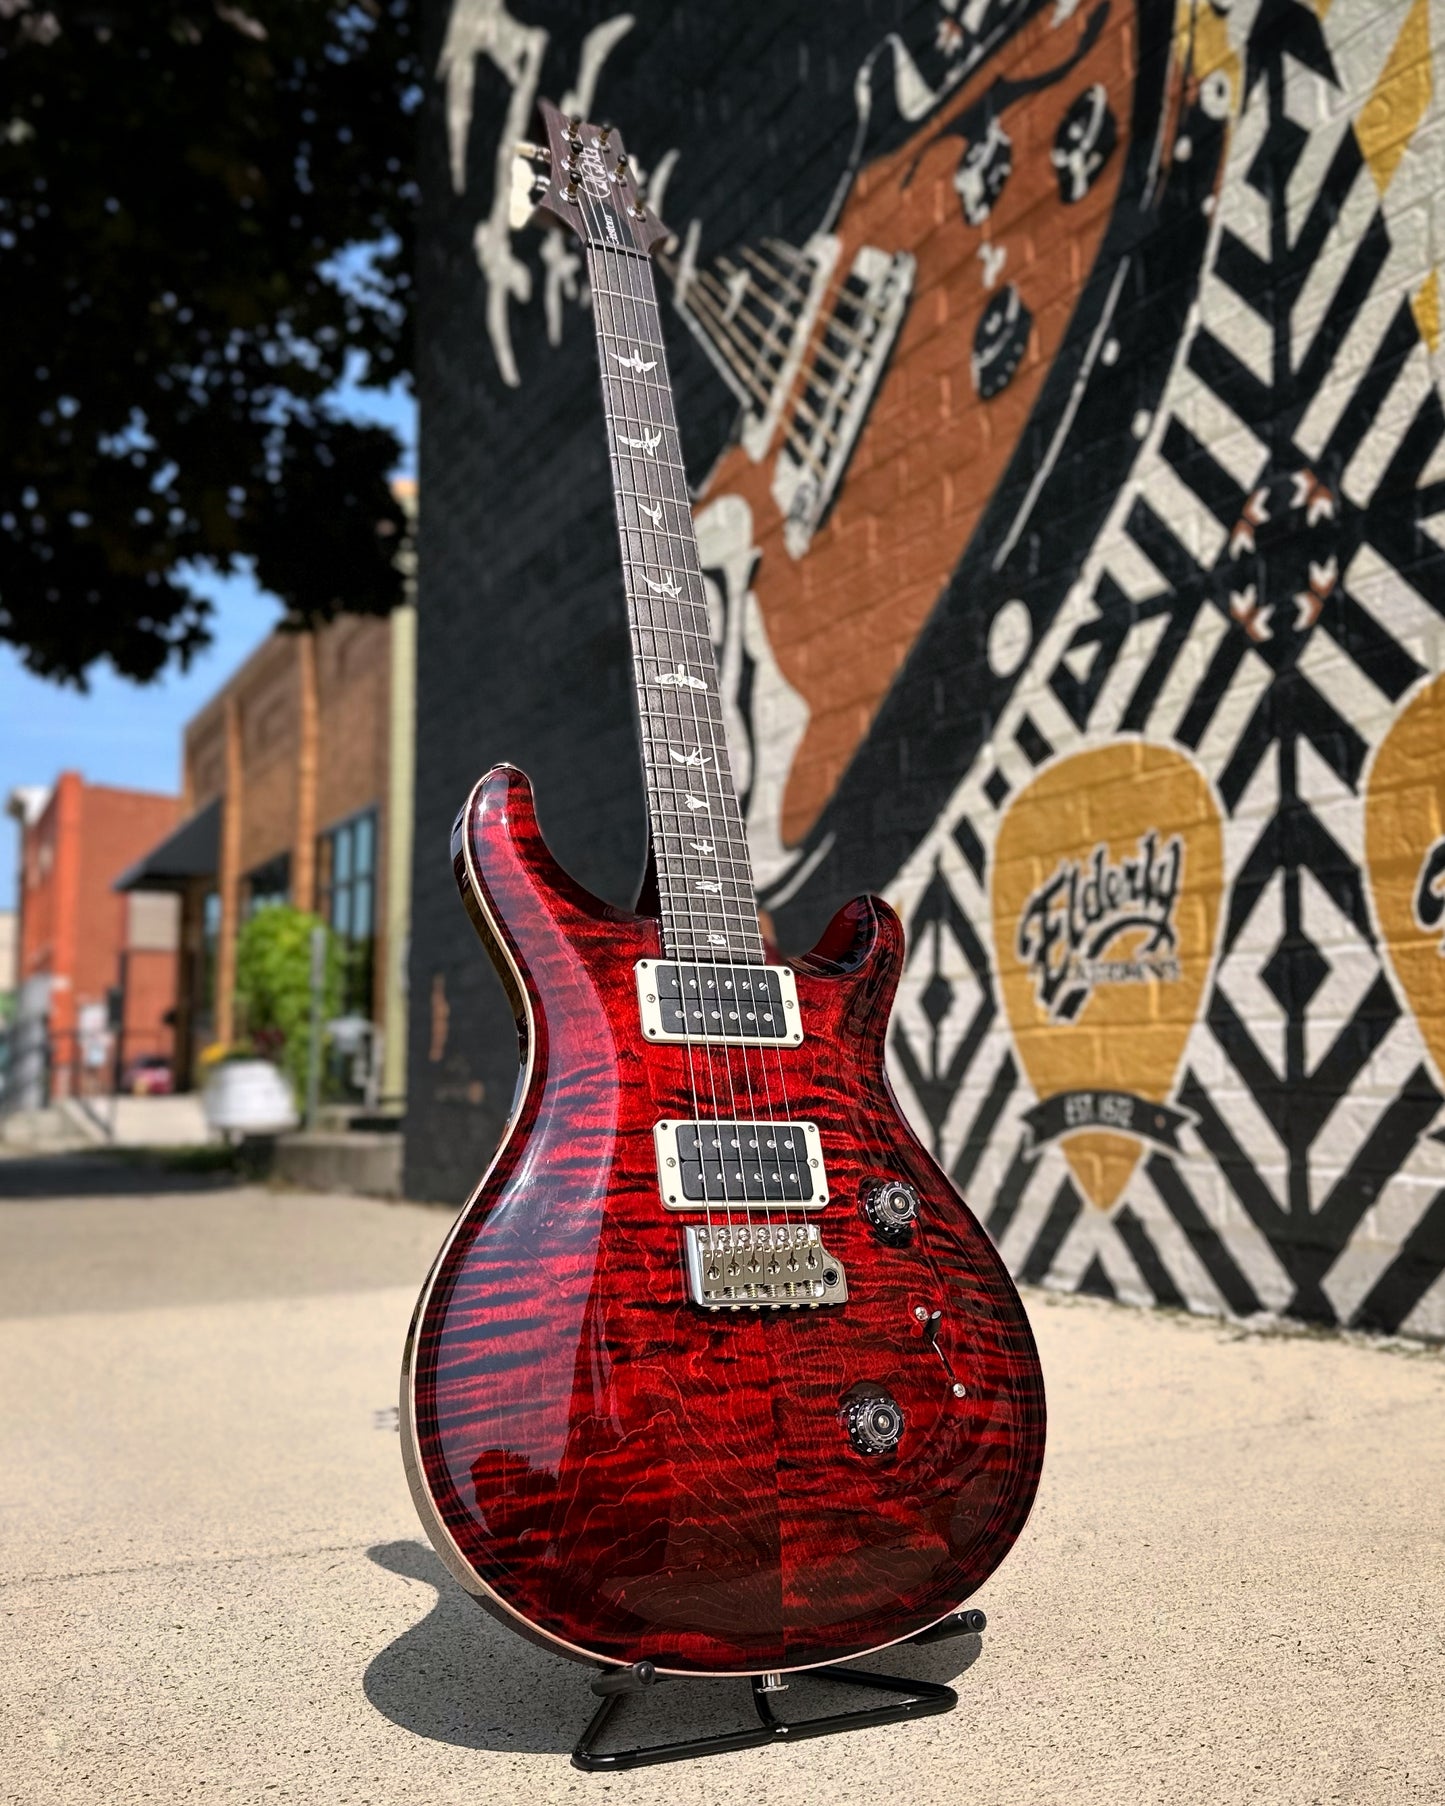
(1242,607)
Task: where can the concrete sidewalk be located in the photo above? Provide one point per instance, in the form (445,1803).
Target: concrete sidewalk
(214,1587)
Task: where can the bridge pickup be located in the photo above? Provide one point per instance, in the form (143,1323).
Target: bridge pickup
(701,1164)
(754,1005)
(762,1266)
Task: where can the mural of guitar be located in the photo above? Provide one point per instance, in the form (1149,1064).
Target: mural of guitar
(836,362)
(1178,632)
(716,1369)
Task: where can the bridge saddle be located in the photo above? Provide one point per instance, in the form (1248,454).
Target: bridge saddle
(759,1266)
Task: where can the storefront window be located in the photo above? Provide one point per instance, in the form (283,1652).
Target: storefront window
(210,941)
(346,898)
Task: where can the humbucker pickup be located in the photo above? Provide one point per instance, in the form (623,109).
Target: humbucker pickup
(700,1164)
(747,1267)
(684,1002)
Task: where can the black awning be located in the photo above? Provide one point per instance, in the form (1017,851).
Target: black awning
(189,851)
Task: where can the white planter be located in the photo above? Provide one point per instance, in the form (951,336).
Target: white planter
(250,1097)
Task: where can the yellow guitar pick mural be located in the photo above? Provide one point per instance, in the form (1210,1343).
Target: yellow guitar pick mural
(1405,856)
(1106,889)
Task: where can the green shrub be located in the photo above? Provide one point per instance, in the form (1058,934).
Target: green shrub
(273,986)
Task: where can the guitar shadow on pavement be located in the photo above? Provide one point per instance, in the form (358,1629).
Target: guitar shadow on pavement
(460,1677)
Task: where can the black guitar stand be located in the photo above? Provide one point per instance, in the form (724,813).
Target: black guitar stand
(919,1699)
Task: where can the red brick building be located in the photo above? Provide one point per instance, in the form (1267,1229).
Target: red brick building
(80,941)
(297,777)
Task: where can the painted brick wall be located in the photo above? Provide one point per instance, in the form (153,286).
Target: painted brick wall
(1061,391)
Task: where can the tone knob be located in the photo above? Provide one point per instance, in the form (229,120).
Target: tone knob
(892,1209)
(875,1423)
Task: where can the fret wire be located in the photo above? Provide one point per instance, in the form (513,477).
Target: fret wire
(676,532)
(712,910)
(657,530)
(651,386)
(686,814)
(735,901)
(655,712)
(630,339)
(708,902)
(690,633)
(655,463)
(684,560)
(738,858)
(673,873)
(743,880)
(732,856)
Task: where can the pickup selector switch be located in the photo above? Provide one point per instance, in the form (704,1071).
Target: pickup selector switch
(891,1208)
(874,1423)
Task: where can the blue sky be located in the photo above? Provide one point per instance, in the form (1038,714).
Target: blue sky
(124,734)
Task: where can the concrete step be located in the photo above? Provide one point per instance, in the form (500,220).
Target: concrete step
(47,1130)
(361,1161)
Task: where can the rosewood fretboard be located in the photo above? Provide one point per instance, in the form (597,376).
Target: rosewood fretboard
(704,873)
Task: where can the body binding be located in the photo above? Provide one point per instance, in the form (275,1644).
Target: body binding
(624,1475)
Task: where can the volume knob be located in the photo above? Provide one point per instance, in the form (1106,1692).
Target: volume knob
(875,1422)
(891,1207)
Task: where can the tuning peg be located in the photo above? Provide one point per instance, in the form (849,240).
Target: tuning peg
(621,169)
(603,135)
(534,153)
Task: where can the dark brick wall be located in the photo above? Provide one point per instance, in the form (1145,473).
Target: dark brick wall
(522,634)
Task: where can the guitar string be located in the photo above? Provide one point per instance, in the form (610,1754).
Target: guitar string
(632,289)
(639,282)
(595,246)
(647,425)
(777,1050)
(639,285)
(624,293)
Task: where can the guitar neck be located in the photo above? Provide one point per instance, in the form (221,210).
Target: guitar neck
(705,878)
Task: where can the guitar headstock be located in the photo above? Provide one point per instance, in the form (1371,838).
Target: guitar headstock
(583,178)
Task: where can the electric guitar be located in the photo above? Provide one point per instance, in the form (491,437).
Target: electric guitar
(716,1369)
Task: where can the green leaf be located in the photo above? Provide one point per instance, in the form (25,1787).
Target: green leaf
(273,985)
(183,190)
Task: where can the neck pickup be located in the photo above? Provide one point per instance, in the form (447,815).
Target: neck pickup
(714,1162)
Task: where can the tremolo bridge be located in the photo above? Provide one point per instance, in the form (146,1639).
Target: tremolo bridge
(749,1258)
(742,1266)
(754,1005)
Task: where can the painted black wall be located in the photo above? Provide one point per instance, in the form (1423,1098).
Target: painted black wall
(522,647)
(1149,491)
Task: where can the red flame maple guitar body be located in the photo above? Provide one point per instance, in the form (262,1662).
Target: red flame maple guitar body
(625,1474)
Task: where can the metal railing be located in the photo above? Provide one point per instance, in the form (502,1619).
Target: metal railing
(41,1066)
